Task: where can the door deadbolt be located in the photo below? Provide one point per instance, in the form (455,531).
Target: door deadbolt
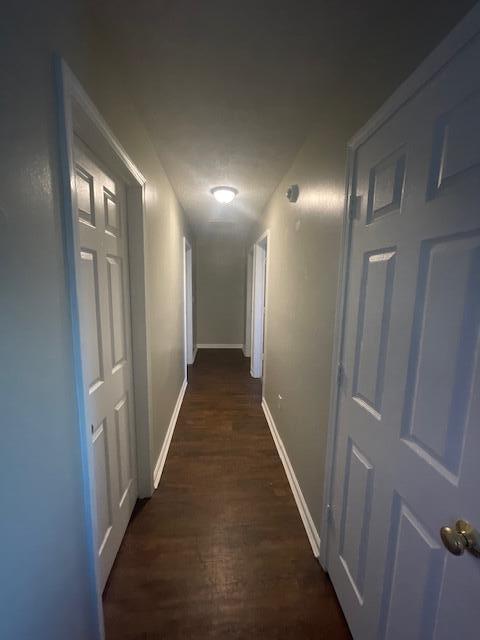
(462,537)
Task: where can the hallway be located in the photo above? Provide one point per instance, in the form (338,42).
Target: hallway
(220,550)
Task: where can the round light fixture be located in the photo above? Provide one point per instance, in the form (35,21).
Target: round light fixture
(224,194)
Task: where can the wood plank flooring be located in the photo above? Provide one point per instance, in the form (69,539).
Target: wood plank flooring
(220,550)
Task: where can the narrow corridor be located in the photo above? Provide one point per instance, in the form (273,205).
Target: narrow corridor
(220,550)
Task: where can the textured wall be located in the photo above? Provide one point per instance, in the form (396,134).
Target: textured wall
(220,288)
(302,288)
(45,591)
(305,243)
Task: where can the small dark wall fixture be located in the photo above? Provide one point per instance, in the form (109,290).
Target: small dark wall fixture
(293,192)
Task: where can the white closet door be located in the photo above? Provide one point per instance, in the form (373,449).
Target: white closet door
(408,441)
(104,309)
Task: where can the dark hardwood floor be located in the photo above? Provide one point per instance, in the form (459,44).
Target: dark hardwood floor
(220,550)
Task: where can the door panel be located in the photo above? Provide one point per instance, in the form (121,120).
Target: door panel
(112,214)
(123,441)
(102,485)
(457,143)
(407,441)
(386,186)
(85,201)
(116,308)
(355,517)
(446,314)
(104,303)
(372,330)
(410,605)
(455,609)
(90,318)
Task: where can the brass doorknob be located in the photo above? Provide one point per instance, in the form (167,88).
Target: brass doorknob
(462,537)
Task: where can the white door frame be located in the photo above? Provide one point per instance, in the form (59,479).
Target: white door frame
(457,39)
(247,345)
(187,304)
(261,259)
(77,115)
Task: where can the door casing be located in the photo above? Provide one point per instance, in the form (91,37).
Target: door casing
(247,346)
(77,115)
(188,303)
(261,259)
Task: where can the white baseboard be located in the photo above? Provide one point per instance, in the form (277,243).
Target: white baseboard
(307,520)
(219,346)
(245,352)
(157,474)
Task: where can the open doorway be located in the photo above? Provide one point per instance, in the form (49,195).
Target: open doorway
(259,305)
(188,304)
(247,344)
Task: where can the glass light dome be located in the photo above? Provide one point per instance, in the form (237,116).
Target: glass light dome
(224,195)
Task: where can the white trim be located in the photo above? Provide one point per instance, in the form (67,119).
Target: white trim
(337,355)
(187,305)
(77,115)
(157,474)
(247,347)
(261,270)
(461,35)
(302,507)
(219,346)
(185,354)
(194,354)
(264,236)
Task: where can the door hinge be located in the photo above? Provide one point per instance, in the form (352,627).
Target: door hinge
(352,206)
(340,374)
(329,514)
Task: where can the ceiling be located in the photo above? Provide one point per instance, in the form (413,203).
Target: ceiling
(230,89)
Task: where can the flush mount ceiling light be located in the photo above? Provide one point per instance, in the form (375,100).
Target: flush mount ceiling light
(224,194)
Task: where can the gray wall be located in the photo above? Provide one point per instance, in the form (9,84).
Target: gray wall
(305,249)
(220,287)
(302,288)
(45,591)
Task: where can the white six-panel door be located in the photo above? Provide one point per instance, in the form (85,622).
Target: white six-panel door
(104,309)
(407,457)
